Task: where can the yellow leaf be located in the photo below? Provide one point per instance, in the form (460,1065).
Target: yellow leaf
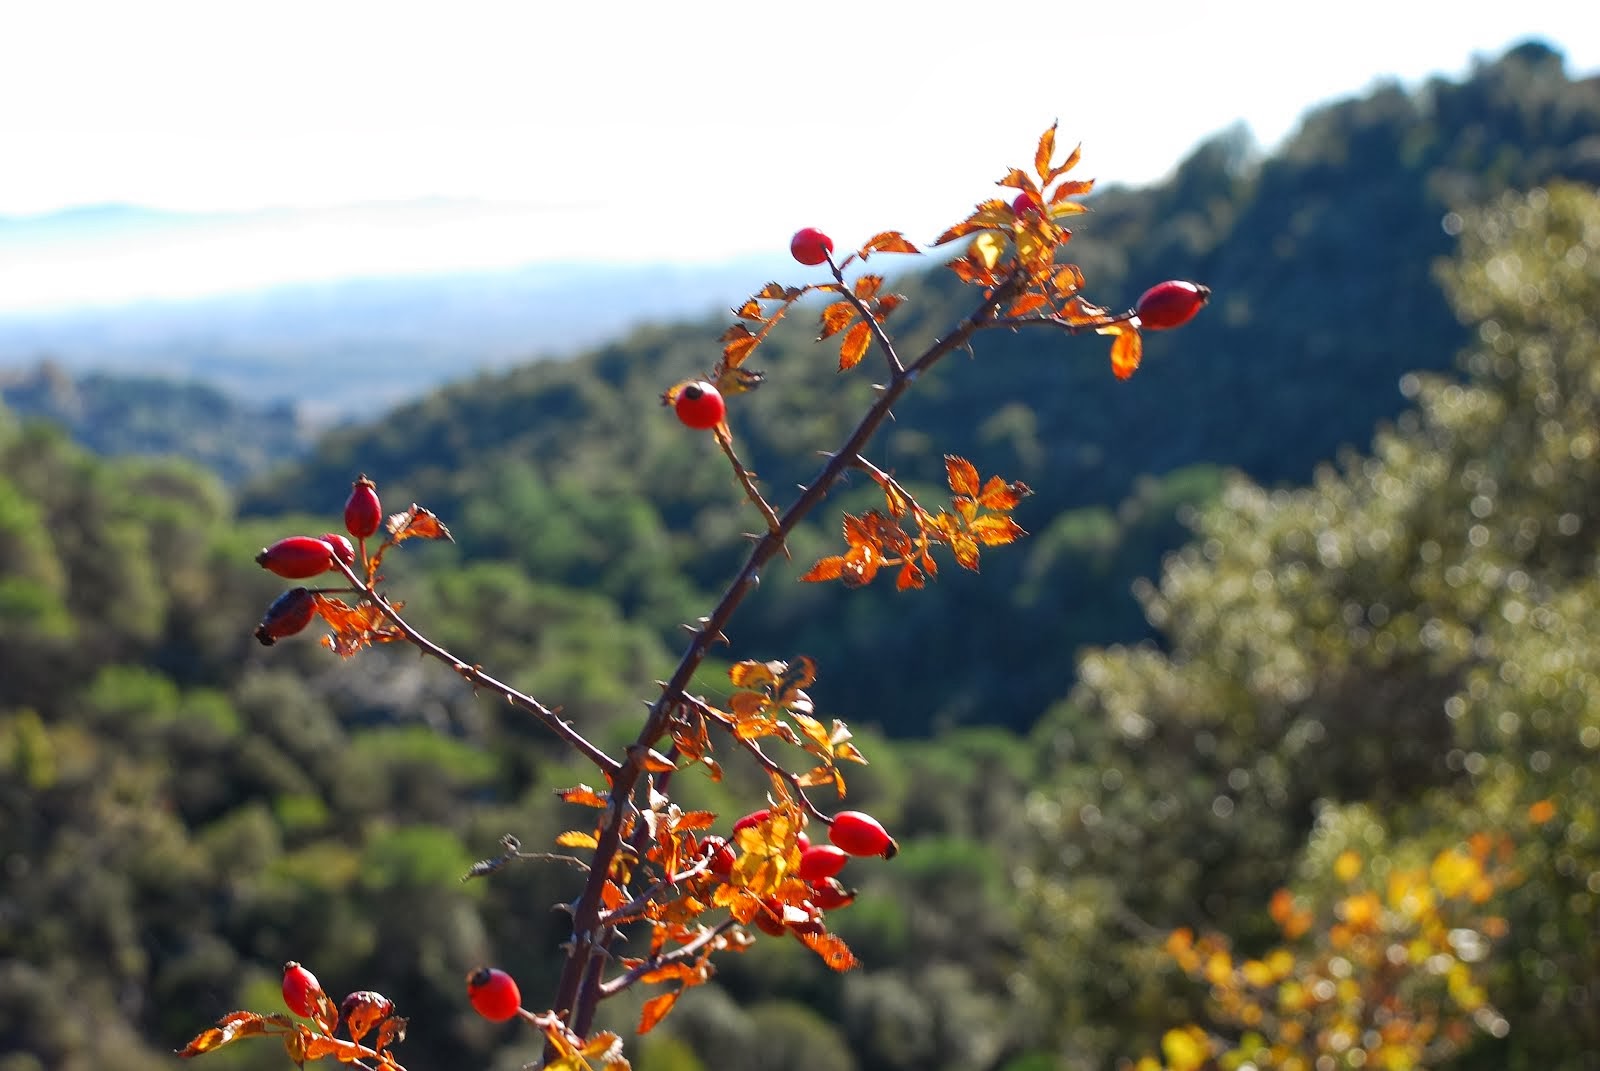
(995,531)
(988,249)
(854,347)
(1186,1048)
(1348,866)
(573,838)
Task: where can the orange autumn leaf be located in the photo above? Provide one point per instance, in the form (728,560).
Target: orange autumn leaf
(836,318)
(887,242)
(962,475)
(656,1009)
(416,523)
(1127,348)
(854,347)
(832,950)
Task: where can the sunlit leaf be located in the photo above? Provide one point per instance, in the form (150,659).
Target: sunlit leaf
(1016,179)
(1003,496)
(988,248)
(1075,188)
(656,1009)
(887,242)
(574,838)
(1027,303)
(1126,348)
(752,674)
(750,310)
(829,568)
(962,475)
(836,318)
(391,1032)
(908,578)
(832,949)
(364,1010)
(230,1028)
(1045,152)
(584,796)
(1066,165)
(996,531)
(854,347)
(416,523)
(867,287)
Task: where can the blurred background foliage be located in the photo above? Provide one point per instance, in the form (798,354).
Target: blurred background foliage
(1350,661)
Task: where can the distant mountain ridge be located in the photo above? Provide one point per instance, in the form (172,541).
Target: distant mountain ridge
(277,331)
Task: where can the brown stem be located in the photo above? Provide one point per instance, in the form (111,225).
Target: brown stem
(747,480)
(677,955)
(479,679)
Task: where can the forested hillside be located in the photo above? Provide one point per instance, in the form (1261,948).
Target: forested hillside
(1322,259)
(1363,738)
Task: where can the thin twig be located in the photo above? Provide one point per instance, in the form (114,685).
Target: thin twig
(677,955)
(878,333)
(747,481)
(1061,323)
(479,679)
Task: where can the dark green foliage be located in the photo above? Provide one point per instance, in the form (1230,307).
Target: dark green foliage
(125,414)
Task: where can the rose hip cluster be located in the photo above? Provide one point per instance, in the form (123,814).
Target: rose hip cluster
(302,557)
(853,833)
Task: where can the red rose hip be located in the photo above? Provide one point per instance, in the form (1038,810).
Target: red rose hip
(300,989)
(810,246)
(700,406)
(494,994)
(363,512)
(822,861)
(1171,304)
(861,834)
(296,557)
(341,547)
(289,613)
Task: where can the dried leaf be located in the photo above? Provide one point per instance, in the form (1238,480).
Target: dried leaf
(1017,179)
(887,242)
(1065,166)
(1003,496)
(1126,348)
(230,1028)
(1027,303)
(364,1010)
(753,674)
(655,762)
(391,1032)
(834,952)
(854,347)
(736,350)
(829,568)
(836,318)
(656,1009)
(996,531)
(750,310)
(867,287)
(962,475)
(1075,188)
(416,523)
(909,577)
(988,249)
(574,838)
(584,796)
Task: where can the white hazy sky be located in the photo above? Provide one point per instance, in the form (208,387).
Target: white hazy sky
(628,130)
